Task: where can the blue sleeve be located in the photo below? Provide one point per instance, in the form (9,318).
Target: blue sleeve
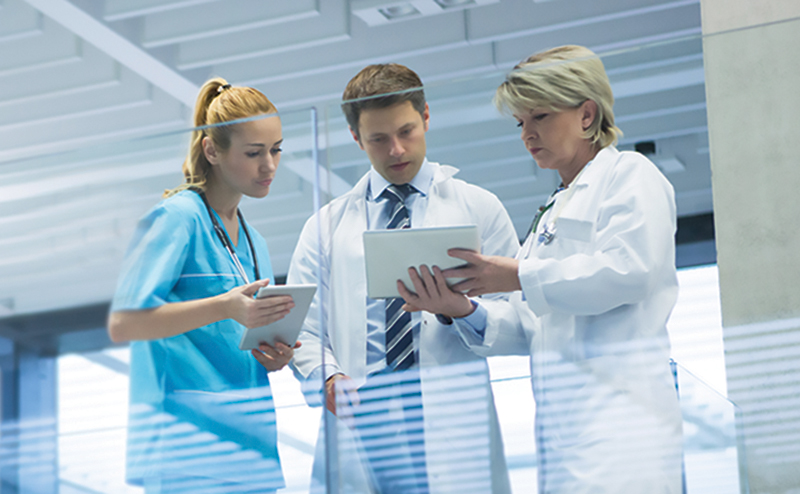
(154,261)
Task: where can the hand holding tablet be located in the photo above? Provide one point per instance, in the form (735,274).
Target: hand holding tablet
(284,330)
(389,253)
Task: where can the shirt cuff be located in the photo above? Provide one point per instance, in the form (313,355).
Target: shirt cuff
(329,370)
(474,323)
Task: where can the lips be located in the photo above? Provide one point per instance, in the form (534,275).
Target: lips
(533,151)
(399,166)
(265,183)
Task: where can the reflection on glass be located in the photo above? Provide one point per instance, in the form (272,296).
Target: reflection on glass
(710,438)
(608,414)
(217,435)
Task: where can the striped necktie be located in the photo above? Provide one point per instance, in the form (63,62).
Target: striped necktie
(399,330)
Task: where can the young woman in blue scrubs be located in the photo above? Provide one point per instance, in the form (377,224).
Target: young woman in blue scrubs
(201,410)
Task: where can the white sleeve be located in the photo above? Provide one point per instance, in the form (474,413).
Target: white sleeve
(309,264)
(509,322)
(510,326)
(498,236)
(634,238)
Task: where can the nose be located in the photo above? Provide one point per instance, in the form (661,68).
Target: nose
(397,149)
(527,132)
(270,162)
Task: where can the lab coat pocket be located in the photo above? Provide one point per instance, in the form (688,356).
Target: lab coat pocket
(575,229)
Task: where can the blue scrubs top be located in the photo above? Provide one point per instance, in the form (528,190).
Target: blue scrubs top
(199,406)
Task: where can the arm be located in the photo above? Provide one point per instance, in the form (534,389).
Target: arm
(505,325)
(634,235)
(143,307)
(309,264)
(172,319)
(494,328)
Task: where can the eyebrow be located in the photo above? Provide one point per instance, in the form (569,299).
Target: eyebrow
(402,128)
(261,145)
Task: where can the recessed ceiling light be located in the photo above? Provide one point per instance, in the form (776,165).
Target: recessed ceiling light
(398,11)
(379,12)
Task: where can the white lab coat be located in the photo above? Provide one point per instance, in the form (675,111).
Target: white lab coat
(608,418)
(339,260)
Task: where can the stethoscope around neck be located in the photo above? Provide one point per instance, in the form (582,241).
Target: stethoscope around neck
(226,241)
(549,231)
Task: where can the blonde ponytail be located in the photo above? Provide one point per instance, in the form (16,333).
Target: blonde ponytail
(218,102)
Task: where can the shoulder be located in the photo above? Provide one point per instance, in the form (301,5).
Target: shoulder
(331,213)
(181,210)
(185,203)
(630,167)
(446,184)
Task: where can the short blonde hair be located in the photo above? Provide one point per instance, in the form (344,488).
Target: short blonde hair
(217,102)
(558,79)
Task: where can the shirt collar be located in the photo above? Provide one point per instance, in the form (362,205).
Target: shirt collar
(421,181)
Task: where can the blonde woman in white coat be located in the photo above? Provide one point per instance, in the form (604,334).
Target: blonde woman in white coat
(597,273)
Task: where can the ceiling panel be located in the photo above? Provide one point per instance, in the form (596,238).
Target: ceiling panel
(78,103)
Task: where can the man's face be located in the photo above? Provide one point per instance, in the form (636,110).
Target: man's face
(394,139)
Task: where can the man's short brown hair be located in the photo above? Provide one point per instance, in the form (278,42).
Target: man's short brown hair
(397,82)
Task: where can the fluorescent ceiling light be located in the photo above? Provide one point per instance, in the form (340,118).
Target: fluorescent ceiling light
(377,12)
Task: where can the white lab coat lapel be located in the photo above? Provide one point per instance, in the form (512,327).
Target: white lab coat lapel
(349,295)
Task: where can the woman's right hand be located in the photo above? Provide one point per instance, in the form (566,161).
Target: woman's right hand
(241,306)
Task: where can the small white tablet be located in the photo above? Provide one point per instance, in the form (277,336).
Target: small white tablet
(287,329)
(389,253)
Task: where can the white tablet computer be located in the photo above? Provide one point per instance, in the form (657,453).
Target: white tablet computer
(287,329)
(389,254)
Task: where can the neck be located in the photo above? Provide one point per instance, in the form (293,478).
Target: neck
(581,160)
(222,200)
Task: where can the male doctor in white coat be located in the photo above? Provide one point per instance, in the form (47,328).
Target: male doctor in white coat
(461,448)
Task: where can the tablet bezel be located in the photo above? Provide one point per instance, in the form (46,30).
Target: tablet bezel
(389,253)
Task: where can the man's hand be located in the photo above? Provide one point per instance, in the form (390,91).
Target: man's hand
(341,388)
(432,294)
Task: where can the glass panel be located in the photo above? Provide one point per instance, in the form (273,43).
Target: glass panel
(455,421)
(604,398)
(712,437)
(203,415)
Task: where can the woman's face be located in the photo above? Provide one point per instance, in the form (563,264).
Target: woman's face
(248,166)
(555,138)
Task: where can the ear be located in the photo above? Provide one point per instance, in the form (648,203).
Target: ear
(356,138)
(210,151)
(426,117)
(588,113)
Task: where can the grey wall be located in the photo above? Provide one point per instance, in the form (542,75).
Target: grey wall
(751,53)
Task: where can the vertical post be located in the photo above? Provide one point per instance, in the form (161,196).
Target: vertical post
(329,420)
(750,53)
(28,430)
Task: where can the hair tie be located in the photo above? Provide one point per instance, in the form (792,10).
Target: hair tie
(223,88)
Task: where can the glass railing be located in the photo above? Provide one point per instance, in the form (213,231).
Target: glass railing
(456,421)
(606,407)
